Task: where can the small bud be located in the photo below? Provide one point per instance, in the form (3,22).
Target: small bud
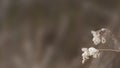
(103,40)
(84,49)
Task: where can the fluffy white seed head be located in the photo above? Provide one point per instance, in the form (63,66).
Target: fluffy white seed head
(98,37)
(87,52)
(93,52)
(96,40)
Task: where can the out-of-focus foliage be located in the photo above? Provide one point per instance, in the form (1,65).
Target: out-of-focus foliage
(50,33)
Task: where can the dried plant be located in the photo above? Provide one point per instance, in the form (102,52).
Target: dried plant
(87,52)
(99,36)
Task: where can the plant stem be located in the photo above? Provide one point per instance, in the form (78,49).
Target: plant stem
(109,50)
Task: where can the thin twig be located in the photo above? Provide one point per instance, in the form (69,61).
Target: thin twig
(109,50)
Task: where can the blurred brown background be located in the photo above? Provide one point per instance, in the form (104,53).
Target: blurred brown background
(51,33)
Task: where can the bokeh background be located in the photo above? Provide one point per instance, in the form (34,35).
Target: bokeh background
(51,33)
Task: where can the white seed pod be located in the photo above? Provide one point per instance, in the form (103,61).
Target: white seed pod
(96,40)
(103,40)
(98,36)
(93,52)
(94,33)
(96,55)
(103,29)
(85,56)
(89,52)
(84,49)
